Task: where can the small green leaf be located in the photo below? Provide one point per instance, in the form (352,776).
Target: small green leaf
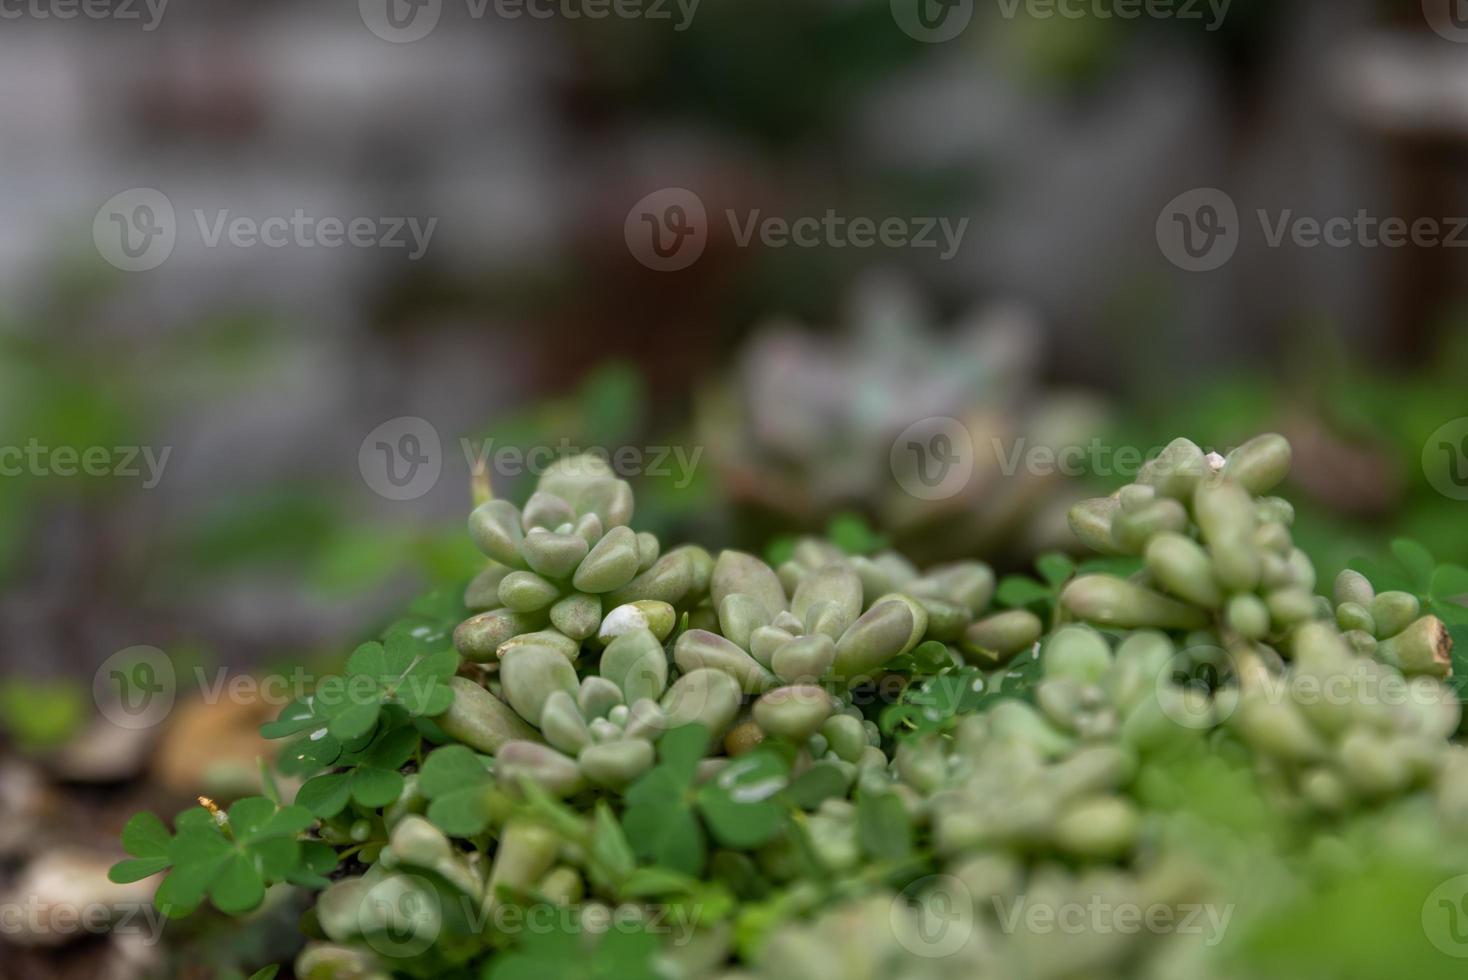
(882,826)
(354,720)
(1450,582)
(458,785)
(268,973)
(742,805)
(1418,563)
(296,717)
(659,824)
(327,795)
(145,836)
(821,781)
(369,660)
(373,787)
(609,847)
(1016,591)
(1055,568)
(237,887)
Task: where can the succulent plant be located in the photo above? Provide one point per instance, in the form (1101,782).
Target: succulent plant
(761,755)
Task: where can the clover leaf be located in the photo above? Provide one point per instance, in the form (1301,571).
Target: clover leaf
(742,804)
(371,779)
(458,783)
(400,672)
(937,703)
(659,819)
(618,955)
(228,857)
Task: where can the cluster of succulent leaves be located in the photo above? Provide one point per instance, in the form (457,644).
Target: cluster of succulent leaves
(758,752)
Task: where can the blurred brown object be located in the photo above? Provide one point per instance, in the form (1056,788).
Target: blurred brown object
(1350,478)
(214,748)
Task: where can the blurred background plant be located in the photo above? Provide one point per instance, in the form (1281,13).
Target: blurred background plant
(788,371)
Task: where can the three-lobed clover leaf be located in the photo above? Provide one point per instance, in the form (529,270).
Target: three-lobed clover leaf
(659,819)
(745,805)
(403,671)
(371,778)
(228,857)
